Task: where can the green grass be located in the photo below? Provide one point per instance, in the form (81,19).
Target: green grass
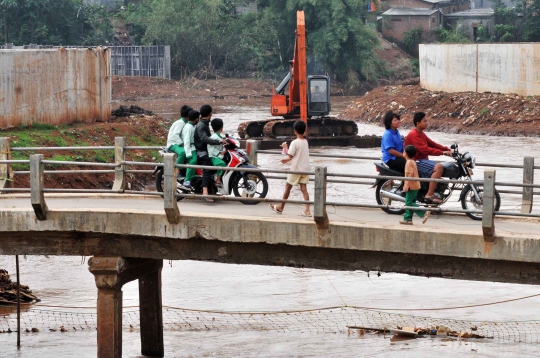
(42,126)
(484,112)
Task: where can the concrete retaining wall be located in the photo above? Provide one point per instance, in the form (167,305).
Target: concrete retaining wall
(503,68)
(55,86)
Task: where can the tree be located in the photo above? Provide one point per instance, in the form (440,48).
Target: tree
(337,36)
(507,28)
(58,22)
(531,24)
(452,34)
(211,36)
(412,38)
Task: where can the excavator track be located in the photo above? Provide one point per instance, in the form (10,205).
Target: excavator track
(317,127)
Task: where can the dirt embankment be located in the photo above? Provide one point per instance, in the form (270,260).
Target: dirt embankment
(139,130)
(150,88)
(468,112)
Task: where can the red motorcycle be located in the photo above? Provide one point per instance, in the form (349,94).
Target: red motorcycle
(239,183)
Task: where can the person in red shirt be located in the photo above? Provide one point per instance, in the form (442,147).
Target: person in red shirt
(426,147)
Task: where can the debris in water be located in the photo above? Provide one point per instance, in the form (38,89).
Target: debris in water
(8,291)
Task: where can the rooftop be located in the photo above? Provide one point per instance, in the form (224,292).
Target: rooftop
(410,12)
(483,12)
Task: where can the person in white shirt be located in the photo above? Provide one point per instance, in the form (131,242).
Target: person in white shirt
(189,145)
(298,156)
(174,140)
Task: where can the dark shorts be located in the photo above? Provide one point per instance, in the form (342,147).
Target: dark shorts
(397,164)
(425,167)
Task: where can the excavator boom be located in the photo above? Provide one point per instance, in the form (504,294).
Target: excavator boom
(308,97)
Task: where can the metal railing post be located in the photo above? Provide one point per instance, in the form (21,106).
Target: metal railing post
(119,157)
(5,169)
(36,186)
(528,178)
(488,207)
(169,190)
(252,146)
(319,206)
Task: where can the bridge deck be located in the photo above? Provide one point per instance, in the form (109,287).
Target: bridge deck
(366,239)
(438,222)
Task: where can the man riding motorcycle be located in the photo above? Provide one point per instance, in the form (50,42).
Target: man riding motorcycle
(426,147)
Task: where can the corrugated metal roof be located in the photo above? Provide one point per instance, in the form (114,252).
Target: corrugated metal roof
(483,12)
(410,12)
(436,1)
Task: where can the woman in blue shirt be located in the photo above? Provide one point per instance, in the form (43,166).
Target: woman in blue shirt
(391,143)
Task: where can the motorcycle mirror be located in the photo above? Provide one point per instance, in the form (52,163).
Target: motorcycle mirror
(453,146)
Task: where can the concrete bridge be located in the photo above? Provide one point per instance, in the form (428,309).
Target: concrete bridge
(130,235)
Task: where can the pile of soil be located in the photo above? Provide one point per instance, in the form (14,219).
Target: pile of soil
(461,112)
(8,291)
(127,111)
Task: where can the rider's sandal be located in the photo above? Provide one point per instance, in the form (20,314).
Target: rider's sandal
(276,210)
(219,185)
(433,199)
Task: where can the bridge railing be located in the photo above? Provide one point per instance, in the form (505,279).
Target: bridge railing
(321,177)
(528,168)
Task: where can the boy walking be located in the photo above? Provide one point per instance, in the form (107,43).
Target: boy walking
(411,187)
(217,151)
(188,134)
(298,155)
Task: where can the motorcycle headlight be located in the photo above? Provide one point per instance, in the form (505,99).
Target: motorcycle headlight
(470,159)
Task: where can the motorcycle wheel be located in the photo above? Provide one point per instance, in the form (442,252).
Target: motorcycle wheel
(469,201)
(394,207)
(160,183)
(256,186)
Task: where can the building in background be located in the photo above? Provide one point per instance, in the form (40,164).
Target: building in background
(470,21)
(397,21)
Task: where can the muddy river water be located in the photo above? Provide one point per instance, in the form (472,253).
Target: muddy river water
(66,282)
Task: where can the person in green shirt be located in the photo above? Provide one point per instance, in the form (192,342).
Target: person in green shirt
(216,152)
(174,140)
(189,145)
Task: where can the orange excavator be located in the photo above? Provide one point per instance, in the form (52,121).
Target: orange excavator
(308,99)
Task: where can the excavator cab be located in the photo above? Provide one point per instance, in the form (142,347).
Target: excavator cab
(318,96)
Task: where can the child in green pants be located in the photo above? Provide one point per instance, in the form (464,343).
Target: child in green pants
(411,187)
(216,152)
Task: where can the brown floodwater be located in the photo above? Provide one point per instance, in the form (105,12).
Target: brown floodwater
(64,282)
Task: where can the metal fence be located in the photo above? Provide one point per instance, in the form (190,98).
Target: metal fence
(320,176)
(146,61)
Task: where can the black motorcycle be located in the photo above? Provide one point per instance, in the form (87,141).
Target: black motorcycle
(389,192)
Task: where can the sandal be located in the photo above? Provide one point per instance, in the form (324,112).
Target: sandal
(406,222)
(275,209)
(209,200)
(433,199)
(304,214)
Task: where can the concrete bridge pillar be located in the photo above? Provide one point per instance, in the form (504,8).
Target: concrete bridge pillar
(111,273)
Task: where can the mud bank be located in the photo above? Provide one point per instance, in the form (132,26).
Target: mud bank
(493,114)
